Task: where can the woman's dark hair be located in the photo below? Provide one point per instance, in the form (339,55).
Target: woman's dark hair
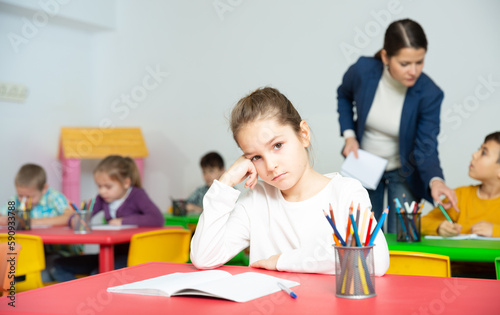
(403,34)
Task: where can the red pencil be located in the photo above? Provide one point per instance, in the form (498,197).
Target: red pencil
(369,229)
(331,213)
(348,232)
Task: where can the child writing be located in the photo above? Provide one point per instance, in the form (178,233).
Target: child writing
(212,166)
(48,207)
(479,204)
(124,202)
(281,218)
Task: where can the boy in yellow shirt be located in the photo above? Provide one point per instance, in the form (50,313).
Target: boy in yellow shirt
(479,204)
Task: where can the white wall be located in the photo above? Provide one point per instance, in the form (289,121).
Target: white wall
(210,53)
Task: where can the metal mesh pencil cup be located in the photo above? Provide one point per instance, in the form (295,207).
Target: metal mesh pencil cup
(408,227)
(354,272)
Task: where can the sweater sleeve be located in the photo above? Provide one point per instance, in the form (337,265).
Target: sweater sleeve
(221,232)
(145,212)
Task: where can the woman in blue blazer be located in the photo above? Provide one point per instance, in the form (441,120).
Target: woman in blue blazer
(403,124)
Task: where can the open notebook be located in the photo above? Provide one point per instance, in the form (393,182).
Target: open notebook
(242,287)
(464,237)
(112,227)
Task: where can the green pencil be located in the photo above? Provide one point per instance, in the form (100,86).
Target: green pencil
(445,213)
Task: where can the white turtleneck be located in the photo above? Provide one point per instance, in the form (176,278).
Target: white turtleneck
(381,135)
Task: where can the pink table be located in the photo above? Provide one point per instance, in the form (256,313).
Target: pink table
(106,239)
(316,295)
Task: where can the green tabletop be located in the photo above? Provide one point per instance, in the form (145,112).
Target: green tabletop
(457,250)
(185,221)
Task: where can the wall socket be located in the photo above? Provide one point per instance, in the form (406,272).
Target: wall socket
(13,92)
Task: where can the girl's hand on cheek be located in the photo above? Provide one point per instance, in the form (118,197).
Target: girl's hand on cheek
(241,169)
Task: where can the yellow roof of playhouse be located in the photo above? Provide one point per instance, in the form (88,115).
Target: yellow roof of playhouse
(97,143)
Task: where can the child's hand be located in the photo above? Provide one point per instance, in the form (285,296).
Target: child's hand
(3,220)
(117,221)
(483,228)
(447,229)
(269,264)
(241,169)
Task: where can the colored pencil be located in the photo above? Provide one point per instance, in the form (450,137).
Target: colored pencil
(445,213)
(363,225)
(368,230)
(379,225)
(355,228)
(334,229)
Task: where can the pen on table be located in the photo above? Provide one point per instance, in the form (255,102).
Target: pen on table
(445,213)
(287,290)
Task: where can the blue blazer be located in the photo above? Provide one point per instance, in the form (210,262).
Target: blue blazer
(419,125)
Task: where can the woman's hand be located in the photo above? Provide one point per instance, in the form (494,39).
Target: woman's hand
(439,188)
(241,169)
(269,263)
(351,144)
(447,229)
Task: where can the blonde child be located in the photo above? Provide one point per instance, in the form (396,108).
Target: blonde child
(124,202)
(479,204)
(49,207)
(212,166)
(281,218)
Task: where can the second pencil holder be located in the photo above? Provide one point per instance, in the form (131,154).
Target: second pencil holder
(408,227)
(354,272)
(81,222)
(23,219)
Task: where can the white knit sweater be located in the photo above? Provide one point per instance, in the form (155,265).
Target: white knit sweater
(265,221)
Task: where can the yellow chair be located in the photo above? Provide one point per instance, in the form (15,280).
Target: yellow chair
(497,267)
(162,245)
(31,261)
(8,262)
(419,264)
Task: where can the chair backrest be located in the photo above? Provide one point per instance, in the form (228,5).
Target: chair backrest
(31,261)
(497,267)
(419,264)
(8,262)
(169,245)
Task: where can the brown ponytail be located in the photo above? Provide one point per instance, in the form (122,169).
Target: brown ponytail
(120,168)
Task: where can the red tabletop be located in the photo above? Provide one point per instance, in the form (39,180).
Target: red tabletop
(316,295)
(105,238)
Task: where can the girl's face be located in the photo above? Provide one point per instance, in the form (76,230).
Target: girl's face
(110,189)
(484,165)
(405,67)
(277,152)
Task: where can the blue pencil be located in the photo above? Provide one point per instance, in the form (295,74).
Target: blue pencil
(334,229)
(355,228)
(379,225)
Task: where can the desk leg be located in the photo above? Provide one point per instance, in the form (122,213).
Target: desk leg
(106,258)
